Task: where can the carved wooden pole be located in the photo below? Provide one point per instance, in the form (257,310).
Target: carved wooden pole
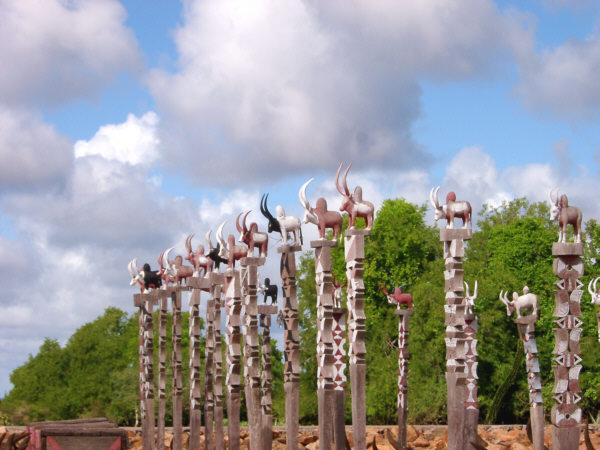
(266,377)
(526,327)
(146,304)
(354,246)
(339,377)
(251,348)
(403,317)
(217,281)
(471,400)
(197,284)
(324,281)
(291,371)
(209,348)
(566,415)
(233,360)
(162,367)
(176,366)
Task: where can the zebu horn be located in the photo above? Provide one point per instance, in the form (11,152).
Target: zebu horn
(433,197)
(130,268)
(505,299)
(188,243)
(220,235)
(344,183)
(264,209)
(302,195)
(337,177)
(244,221)
(237,223)
(590,287)
(210,246)
(468,295)
(134,265)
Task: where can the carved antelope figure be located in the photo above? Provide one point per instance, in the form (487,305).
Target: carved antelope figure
(251,236)
(145,278)
(175,268)
(451,210)
(353,204)
(282,223)
(269,291)
(230,251)
(525,301)
(398,297)
(319,215)
(337,293)
(470,299)
(215,252)
(198,259)
(565,214)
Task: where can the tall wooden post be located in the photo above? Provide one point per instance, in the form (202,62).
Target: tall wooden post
(233,360)
(354,247)
(324,281)
(403,317)
(209,348)
(251,348)
(176,366)
(455,308)
(566,414)
(471,399)
(146,304)
(197,284)
(162,367)
(216,282)
(291,370)
(266,376)
(526,327)
(339,377)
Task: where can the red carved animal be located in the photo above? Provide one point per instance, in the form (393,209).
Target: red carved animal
(319,215)
(251,236)
(398,297)
(175,268)
(451,210)
(566,215)
(230,250)
(198,259)
(353,204)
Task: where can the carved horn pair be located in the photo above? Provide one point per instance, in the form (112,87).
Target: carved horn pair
(467,288)
(264,208)
(220,236)
(346,191)
(433,197)
(593,290)
(237,223)
(504,299)
(552,201)
(383,288)
(132,267)
(188,244)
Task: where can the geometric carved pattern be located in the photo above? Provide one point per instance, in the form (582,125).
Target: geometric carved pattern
(568,267)
(461,353)
(339,340)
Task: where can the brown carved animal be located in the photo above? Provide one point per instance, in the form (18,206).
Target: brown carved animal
(251,236)
(320,215)
(175,268)
(230,250)
(198,259)
(353,204)
(398,297)
(451,210)
(566,215)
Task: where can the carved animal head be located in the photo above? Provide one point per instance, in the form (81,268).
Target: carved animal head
(555,206)
(470,299)
(440,212)
(347,201)
(136,277)
(273,222)
(594,291)
(309,215)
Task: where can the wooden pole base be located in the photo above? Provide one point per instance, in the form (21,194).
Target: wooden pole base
(536,413)
(195,428)
(358,373)
(339,423)
(292,402)
(471,422)
(566,438)
(325,418)
(456,411)
(233,420)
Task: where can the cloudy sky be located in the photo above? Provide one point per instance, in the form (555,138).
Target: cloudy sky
(124,126)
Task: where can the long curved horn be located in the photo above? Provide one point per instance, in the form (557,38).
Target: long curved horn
(220,235)
(383,288)
(166,257)
(302,195)
(264,209)
(468,295)
(134,264)
(433,197)
(160,260)
(244,221)
(590,287)
(210,246)
(237,223)
(337,176)
(475,294)
(188,243)
(344,179)
(596,281)
(505,299)
(131,269)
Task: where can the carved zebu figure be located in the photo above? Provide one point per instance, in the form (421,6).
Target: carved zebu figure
(229,250)
(525,301)
(337,292)
(319,215)
(269,291)
(251,236)
(398,297)
(452,209)
(198,259)
(470,299)
(175,268)
(282,223)
(145,278)
(353,204)
(565,214)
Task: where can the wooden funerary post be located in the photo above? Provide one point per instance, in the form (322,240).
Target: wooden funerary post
(266,376)
(403,317)
(568,267)
(209,348)
(249,275)
(176,367)
(233,359)
(216,282)
(339,375)
(291,339)
(324,281)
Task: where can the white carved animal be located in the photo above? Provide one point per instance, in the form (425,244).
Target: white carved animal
(594,291)
(137,277)
(451,210)
(565,214)
(470,299)
(525,301)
